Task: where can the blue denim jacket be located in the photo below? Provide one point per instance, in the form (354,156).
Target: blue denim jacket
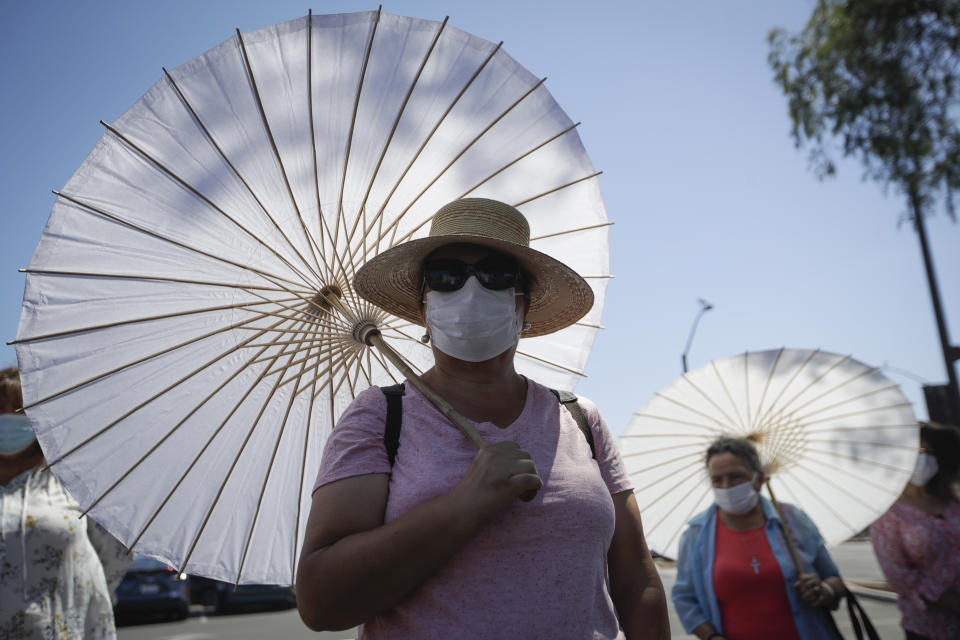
(693,595)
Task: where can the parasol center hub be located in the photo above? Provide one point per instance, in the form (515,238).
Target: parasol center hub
(364,330)
(324,301)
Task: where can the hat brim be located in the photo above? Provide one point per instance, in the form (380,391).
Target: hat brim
(559,296)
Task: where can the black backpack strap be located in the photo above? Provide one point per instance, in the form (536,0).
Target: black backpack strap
(391,432)
(569,400)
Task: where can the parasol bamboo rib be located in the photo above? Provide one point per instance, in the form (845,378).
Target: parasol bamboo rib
(838,386)
(696,411)
(223,156)
(850,474)
(766,387)
(92,209)
(552,364)
(194,461)
(696,507)
(726,391)
(183,183)
(589,325)
(127,276)
(577,230)
(835,485)
(144,359)
(860,413)
(676,421)
(386,367)
(303,473)
(416,155)
(152,398)
(846,457)
(746,389)
(266,479)
(674,507)
(676,503)
(393,130)
(782,410)
(839,516)
(233,466)
(843,402)
(456,157)
(166,436)
(686,378)
(335,355)
(353,124)
(164,316)
(784,388)
(865,428)
(311,243)
(670,490)
(555,189)
(698,436)
(311,341)
(516,160)
(313,152)
(666,462)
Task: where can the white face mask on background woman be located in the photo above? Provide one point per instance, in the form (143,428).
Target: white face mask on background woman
(925,469)
(738,499)
(473,323)
(16,433)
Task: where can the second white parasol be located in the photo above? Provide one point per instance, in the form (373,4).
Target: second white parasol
(836,437)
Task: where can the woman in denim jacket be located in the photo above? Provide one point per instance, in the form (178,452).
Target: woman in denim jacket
(735,576)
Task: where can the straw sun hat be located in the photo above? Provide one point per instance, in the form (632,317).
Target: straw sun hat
(558,295)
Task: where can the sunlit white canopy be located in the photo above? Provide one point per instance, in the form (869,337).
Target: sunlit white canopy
(179,360)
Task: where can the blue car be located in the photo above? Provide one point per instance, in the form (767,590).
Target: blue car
(224,597)
(153,587)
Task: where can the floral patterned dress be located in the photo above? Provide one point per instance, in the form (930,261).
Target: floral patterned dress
(57,570)
(920,557)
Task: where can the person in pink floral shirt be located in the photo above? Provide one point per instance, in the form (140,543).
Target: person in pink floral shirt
(917,541)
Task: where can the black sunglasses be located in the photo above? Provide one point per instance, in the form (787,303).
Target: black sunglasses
(493,272)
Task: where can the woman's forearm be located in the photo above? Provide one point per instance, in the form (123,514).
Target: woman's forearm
(642,607)
(363,574)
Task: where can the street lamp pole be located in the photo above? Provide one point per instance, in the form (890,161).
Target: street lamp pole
(704,307)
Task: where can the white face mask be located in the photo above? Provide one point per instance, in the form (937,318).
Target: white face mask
(473,323)
(16,433)
(738,499)
(925,469)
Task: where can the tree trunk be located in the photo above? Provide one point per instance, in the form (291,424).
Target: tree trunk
(952,386)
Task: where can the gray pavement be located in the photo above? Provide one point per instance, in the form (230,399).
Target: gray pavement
(855,559)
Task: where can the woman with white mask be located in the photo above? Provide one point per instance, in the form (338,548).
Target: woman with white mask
(735,576)
(432,539)
(57,569)
(917,541)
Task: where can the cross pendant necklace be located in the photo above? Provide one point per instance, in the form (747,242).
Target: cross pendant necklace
(753,557)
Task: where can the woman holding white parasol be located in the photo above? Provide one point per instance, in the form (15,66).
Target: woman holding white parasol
(735,575)
(436,542)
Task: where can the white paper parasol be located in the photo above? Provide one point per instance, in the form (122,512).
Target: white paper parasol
(181,359)
(837,438)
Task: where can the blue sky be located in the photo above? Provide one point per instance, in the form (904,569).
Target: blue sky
(708,194)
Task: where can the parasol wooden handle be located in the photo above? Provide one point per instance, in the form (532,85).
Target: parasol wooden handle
(373,338)
(786,531)
(376,340)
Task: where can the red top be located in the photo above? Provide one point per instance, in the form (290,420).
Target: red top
(749,586)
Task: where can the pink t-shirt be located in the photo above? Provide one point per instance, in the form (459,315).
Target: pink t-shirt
(536,571)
